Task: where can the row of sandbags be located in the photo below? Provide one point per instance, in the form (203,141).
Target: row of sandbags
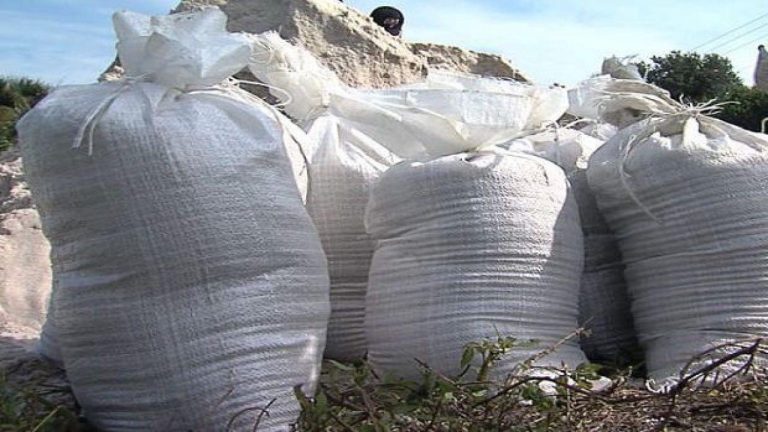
(190,284)
(191,291)
(408,116)
(463,242)
(191,287)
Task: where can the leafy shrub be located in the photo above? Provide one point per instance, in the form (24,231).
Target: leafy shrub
(749,109)
(17,96)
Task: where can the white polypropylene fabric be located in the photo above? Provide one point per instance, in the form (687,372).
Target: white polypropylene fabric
(191,286)
(621,68)
(687,198)
(471,246)
(619,102)
(48,344)
(761,70)
(438,117)
(343,168)
(604,307)
(298,147)
(180,49)
(298,80)
(548,106)
(189,50)
(601,131)
(191,282)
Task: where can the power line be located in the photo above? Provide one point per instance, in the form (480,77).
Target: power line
(765,36)
(728,42)
(730,31)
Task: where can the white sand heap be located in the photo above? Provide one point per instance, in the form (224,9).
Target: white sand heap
(360,52)
(25,266)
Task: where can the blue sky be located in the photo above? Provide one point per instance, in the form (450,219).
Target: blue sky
(71,41)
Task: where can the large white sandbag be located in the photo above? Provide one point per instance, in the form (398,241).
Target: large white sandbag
(342,170)
(604,307)
(621,68)
(761,69)
(619,102)
(687,198)
(47,345)
(344,163)
(601,131)
(191,286)
(471,246)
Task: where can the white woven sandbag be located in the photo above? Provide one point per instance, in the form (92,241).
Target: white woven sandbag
(601,131)
(343,168)
(48,344)
(761,69)
(604,304)
(191,287)
(619,102)
(686,197)
(472,246)
(621,68)
(604,307)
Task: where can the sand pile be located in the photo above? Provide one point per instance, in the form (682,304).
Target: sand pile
(25,267)
(348,42)
(25,271)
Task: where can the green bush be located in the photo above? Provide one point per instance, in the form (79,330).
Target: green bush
(698,79)
(17,96)
(750,107)
(691,76)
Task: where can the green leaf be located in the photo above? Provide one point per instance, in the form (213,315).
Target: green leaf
(341,366)
(321,402)
(467,357)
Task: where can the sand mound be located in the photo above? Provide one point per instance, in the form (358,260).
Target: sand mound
(25,266)
(348,42)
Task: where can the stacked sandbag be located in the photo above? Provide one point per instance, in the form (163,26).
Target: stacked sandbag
(761,69)
(618,102)
(191,287)
(604,306)
(342,170)
(470,247)
(357,134)
(621,68)
(601,131)
(686,196)
(343,164)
